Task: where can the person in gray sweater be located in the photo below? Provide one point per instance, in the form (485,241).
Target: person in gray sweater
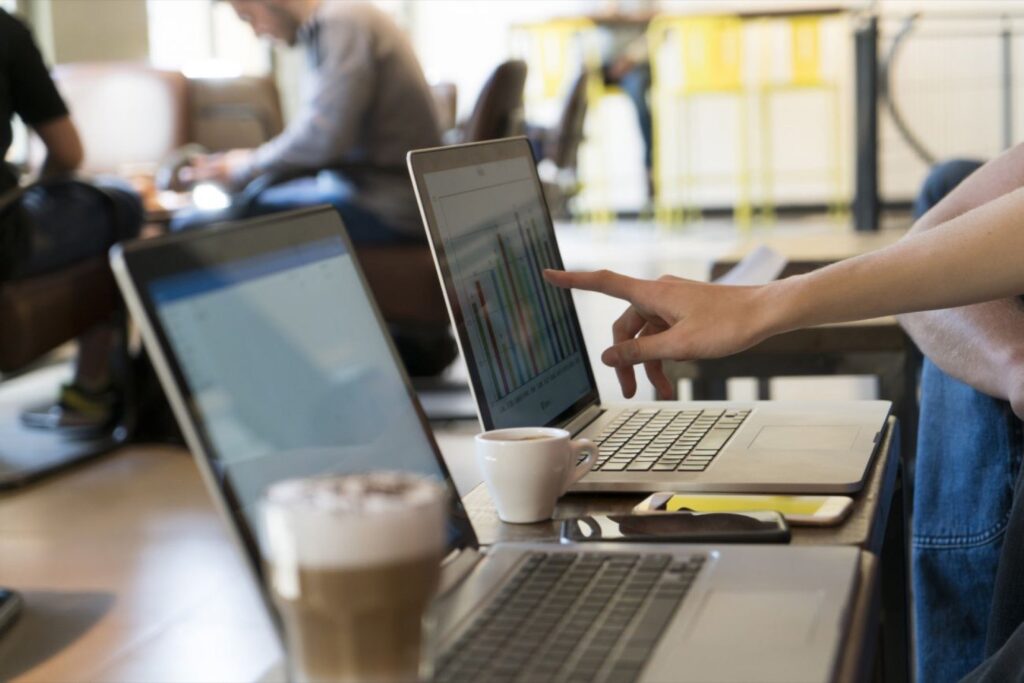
(367,104)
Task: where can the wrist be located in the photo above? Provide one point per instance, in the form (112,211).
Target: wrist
(781,306)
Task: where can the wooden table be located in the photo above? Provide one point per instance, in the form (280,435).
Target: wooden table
(877,524)
(130,575)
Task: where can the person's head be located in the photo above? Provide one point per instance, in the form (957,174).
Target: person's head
(276,19)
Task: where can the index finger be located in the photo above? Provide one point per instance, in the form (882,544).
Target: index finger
(603,281)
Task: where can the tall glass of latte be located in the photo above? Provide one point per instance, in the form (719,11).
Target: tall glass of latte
(353,562)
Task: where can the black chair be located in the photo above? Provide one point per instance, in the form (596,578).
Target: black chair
(498,112)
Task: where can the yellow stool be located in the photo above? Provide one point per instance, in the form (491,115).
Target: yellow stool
(800,69)
(694,56)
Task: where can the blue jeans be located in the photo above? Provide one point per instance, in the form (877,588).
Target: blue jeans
(968,451)
(636,83)
(326,187)
(71,221)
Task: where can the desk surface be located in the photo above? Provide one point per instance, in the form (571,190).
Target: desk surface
(865,527)
(130,575)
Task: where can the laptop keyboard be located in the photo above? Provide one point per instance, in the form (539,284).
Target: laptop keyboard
(665,440)
(573,618)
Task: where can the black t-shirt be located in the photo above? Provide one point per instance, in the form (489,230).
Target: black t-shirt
(26,88)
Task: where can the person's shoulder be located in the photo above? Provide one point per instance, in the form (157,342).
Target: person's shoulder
(350,14)
(12,30)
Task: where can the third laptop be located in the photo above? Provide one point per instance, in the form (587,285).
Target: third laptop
(491,234)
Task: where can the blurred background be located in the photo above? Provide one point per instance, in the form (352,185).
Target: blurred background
(809,126)
(759,110)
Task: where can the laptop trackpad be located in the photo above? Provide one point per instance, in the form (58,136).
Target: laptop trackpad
(746,636)
(808,438)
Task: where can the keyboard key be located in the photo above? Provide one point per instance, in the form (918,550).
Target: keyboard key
(716,438)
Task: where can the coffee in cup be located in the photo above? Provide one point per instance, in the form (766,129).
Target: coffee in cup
(527,469)
(353,562)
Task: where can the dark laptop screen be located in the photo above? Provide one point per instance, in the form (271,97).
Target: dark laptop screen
(526,352)
(287,370)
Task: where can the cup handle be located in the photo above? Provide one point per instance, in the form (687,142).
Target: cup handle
(577,446)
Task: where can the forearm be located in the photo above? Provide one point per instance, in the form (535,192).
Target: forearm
(64,151)
(973,258)
(976,344)
(982,345)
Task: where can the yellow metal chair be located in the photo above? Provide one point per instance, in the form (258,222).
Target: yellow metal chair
(798,68)
(691,57)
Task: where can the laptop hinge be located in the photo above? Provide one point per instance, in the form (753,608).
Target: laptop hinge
(456,567)
(578,423)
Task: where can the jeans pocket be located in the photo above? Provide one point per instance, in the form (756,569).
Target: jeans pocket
(968,447)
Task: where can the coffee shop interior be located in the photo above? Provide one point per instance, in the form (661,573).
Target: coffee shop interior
(292,388)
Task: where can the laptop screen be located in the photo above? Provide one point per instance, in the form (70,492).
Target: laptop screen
(525,349)
(287,370)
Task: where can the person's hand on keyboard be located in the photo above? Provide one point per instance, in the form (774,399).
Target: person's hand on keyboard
(672,319)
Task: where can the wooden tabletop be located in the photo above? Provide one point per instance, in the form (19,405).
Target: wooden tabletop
(129,574)
(865,526)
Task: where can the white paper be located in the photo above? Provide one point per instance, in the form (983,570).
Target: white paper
(760,266)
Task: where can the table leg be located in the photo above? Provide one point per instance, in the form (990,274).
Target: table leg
(709,388)
(896,659)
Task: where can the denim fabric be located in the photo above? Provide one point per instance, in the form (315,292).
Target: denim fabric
(72,221)
(963,489)
(636,83)
(941,180)
(326,187)
(968,452)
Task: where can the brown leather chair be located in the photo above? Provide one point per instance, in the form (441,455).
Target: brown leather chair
(39,314)
(498,112)
(233,113)
(404,283)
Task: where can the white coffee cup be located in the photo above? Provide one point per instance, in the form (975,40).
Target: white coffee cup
(527,469)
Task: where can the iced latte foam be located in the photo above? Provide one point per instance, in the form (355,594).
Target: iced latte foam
(353,562)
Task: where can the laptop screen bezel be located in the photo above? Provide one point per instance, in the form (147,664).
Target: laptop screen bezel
(147,261)
(422,162)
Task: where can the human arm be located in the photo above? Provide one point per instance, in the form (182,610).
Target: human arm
(971,258)
(35,99)
(983,344)
(329,124)
(64,152)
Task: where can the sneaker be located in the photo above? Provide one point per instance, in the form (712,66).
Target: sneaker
(77,412)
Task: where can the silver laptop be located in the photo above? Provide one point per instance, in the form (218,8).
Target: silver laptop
(276,363)
(491,235)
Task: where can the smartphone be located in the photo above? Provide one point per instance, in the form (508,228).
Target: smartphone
(813,510)
(673,527)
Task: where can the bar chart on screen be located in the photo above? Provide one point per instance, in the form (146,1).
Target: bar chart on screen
(525,344)
(523,323)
